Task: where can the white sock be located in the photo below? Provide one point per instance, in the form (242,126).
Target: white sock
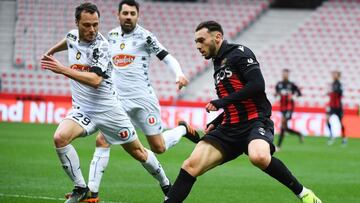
(153,166)
(172,137)
(303,192)
(97,167)
(71,164)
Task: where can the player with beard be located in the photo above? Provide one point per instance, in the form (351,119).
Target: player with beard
(243,127)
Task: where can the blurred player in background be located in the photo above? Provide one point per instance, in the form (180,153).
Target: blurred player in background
(287,90)
(335,106)
(244,126)
(94,101)
(131,47)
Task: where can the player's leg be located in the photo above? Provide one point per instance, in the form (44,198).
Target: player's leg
(343,136)
(75,124)
(145,113)
(98,164)
(282,131)
(204,157)
(159,143)
(67,131)
(331,138)
(292,131)
(260,150)
(149,161)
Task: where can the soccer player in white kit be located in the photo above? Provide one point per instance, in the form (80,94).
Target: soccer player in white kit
(94,101)
(131,47)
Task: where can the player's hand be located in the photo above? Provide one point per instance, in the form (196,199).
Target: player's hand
(181,82)
(51,63)
(210,107)
(209,128)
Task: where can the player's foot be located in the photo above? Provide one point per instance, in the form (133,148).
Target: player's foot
(166,188)
(191,133)
(331,141)
(90,197)
(344,142)
(310,197)
(77,194)
(301,138)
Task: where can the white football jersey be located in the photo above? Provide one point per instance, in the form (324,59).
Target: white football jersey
(130,57)
(82,56)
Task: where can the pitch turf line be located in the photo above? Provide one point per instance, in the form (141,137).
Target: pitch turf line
(43,198)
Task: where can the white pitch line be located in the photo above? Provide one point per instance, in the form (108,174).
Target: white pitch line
(44,198)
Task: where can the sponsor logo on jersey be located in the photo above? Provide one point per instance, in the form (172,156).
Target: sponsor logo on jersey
(124,134)
(78,55)
(123,60)
(80,67)
(222,74)
(122,46)
(71,37)
(151,120)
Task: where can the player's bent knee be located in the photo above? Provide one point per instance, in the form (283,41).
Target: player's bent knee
(101,142)
(158,149)
(260,160)
(191,167)
(60,140)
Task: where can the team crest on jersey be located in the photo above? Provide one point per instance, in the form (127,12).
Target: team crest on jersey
(151,120)
(223,62)
(124,134)
(123,60)
(78,55)
(122,46)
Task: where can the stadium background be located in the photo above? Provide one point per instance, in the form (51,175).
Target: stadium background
(311,38)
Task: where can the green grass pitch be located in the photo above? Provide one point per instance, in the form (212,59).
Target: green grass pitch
(30,171)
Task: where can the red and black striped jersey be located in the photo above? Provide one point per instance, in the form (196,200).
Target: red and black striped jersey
(335,95)
(239,85)
(286,90)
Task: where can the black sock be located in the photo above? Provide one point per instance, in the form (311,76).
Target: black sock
(181,188)
(330,131)
(280,172)
(281,138)
(342,130)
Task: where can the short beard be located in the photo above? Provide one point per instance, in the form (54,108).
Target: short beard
(212,50)
(126,29)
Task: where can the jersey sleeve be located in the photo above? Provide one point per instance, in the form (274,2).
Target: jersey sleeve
(100,58)
(245,60)
(155,47)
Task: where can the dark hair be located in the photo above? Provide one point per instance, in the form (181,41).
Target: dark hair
(211,26)
(130,3)
(87,7)
(286,70)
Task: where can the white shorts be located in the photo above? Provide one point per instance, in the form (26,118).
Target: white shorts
(144,114)
(115,125)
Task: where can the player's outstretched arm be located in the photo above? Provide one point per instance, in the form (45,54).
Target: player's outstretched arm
(174,65)
(58,47)
(87,78)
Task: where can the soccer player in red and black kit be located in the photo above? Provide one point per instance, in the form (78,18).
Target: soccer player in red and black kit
(243,127)
(335,106)
(287,90)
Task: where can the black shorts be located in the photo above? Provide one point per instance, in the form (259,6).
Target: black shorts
(287,114)
(233,141)
(337,111)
